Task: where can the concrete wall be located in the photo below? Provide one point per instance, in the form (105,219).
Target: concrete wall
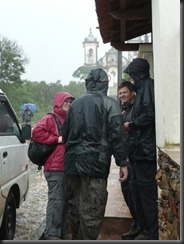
(166,62)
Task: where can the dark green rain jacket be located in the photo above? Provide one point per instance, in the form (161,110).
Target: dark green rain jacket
(93,131)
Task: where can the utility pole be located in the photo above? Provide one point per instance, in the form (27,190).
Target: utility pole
(119,70)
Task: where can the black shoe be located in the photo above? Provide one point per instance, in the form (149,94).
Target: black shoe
(42,237)
(64,237)
(131,234)
(144,235)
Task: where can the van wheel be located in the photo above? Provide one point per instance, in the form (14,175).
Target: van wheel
(7,230)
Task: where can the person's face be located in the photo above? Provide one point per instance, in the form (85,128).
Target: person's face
(66,104)
(125,95)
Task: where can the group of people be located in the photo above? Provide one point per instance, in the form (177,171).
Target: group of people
(94,130)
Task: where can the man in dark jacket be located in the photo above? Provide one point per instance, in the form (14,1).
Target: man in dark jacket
(126,94)
(92,133)
(142,129)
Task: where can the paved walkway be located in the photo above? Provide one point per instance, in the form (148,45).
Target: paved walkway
(116,206)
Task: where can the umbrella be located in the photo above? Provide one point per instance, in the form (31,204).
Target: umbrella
(32,106)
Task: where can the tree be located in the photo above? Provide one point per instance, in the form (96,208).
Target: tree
(83,71)
(75,88)
(12,61)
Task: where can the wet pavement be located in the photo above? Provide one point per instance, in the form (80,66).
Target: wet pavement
(116,206)
(117,215)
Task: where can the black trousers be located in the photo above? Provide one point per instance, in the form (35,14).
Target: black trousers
(126,189)
(145,196)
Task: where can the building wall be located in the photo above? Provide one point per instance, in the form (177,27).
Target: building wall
(166,61)
(165,69)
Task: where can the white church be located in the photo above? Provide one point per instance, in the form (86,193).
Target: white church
(109,62)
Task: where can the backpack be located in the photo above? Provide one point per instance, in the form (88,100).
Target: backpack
(39,152)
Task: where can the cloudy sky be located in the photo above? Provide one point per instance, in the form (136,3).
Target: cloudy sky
(50,33)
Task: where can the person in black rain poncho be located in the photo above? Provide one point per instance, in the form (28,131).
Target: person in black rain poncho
(92,133)
(142,130)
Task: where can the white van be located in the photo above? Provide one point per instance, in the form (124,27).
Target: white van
(14,167)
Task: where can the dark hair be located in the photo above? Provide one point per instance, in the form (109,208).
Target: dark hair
(128,84)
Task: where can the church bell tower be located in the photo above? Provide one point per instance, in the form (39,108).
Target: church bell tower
(90,45)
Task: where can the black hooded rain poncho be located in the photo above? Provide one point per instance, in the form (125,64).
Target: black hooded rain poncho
(94,131)
(143,112)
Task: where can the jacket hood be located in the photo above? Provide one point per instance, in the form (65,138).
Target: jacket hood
(138,69)
(97,80)
(59,98)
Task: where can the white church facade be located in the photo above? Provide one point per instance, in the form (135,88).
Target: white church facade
(109,62)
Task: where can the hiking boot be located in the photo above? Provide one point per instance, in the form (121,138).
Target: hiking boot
(131,234)
(144,235)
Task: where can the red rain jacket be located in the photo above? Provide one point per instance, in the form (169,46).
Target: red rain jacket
(46,132)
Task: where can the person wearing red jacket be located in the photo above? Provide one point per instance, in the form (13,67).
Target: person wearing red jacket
(46,132)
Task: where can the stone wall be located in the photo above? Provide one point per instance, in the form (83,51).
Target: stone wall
(168,179)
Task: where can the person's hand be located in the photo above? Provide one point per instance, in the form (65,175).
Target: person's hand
(122,112)
(127,128)
(60,139)
(123,173)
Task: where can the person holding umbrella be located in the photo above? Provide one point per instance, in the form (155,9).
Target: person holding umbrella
(26,116)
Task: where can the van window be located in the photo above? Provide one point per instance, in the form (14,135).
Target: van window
(8,123)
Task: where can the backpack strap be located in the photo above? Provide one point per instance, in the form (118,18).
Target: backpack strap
(58,122)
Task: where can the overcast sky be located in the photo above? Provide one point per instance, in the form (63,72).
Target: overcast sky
(50,33)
